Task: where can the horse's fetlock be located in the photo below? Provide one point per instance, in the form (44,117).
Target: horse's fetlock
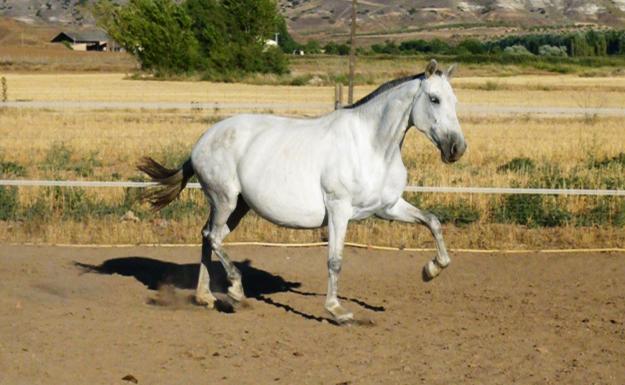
(332,303)
(334,264)
(234,275)
(215,240)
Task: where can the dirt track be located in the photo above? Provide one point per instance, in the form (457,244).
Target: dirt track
(488,319)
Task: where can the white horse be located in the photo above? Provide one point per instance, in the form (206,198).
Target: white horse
(307,173)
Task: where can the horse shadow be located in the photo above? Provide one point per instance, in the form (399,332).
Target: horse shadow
(257,283)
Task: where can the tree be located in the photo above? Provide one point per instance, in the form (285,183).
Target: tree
(157,32)
(550,50)
(219,37)
(209,27)
(517,49)
(285,40)
(389,47)
(333,48)
(579,45)
(472,46)
(414,46)
(600,44)
(249,23)
(312,47)
(439,46)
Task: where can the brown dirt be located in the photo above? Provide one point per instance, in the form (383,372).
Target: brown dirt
(488,319)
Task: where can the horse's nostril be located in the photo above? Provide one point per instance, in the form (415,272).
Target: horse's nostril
(453,150)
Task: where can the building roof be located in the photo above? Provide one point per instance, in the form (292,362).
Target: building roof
(82,36)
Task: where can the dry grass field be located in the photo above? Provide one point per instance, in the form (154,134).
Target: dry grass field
(524,90)
(578,152)
(56,58)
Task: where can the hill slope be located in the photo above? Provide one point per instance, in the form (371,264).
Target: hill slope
(319,17)
(324,19)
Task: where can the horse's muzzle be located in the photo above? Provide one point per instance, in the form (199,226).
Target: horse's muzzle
(453,148)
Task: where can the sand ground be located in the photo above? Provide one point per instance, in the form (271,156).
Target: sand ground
(488,319)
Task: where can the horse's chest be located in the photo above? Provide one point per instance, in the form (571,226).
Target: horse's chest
(369,197)
(368,201)
(375,187)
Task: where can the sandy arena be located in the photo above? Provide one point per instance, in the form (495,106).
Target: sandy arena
(123,316)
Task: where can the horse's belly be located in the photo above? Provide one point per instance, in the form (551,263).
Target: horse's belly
(280,176)
(287,207)
(284,191)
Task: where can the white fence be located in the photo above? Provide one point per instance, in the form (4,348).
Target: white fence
(421,189)
(463,108)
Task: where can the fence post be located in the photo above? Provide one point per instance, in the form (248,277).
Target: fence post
(352,54)
(5,90)
(338,96)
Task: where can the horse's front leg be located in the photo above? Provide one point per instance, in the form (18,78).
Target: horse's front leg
(405,212)
(339,213)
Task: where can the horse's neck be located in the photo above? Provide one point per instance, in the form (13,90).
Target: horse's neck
(387,117)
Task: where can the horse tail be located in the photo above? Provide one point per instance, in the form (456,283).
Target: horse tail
(171,181)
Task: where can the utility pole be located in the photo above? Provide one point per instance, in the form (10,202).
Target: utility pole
(352,54)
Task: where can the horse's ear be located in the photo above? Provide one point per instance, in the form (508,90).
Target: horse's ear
(431,68)
(450,71)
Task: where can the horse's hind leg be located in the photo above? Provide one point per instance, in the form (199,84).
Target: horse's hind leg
(226,215)
(203,295)
(213,234)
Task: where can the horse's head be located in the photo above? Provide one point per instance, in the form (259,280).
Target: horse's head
(434,113)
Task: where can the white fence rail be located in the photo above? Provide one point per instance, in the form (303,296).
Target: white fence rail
(471,109)
(422,189)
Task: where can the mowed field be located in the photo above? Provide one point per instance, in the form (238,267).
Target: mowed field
(582,151)
(488,319)
(524,90)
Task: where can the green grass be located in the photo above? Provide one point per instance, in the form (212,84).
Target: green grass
(8,203)
(518,165)
(531,210)
(528,210)
(11,169)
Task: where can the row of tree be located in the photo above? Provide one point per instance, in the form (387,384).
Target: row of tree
(219,38)
(576,44)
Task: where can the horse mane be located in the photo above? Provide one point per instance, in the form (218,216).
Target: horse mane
(385,87)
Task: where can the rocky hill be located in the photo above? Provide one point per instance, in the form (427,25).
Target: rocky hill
(324,19)
(400,17)
(74,12)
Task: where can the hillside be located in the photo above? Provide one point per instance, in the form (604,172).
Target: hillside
(314,16)
(74,12)
(378,19)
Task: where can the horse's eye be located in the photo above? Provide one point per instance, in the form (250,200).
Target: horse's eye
(435,100)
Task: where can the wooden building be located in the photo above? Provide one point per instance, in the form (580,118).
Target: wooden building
(86,41)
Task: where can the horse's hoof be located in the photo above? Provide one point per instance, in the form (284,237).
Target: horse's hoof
(430,271)
(345,319)
(424,275)
(235,292)
(208,301)
(340,314)
(224,306)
